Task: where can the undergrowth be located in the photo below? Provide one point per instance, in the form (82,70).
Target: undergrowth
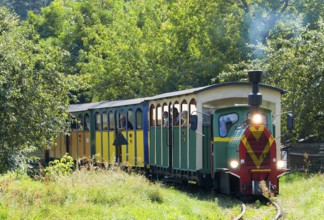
(63,191)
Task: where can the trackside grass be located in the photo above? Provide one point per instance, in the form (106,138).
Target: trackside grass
(113,194)
(104,195)
(302,196)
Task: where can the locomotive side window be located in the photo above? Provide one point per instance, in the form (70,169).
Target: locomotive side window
(226,122)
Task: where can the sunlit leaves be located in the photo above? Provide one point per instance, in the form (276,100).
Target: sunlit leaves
(33,91)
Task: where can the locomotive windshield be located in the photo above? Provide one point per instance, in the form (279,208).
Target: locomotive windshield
(226,122)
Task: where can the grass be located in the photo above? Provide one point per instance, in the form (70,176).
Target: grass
(103,195)
(302,196)
(108,194)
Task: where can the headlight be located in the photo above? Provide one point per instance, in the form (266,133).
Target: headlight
(234,164)
(281,164)
(257,119)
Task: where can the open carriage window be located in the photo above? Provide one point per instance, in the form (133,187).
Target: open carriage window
(86,122)
(175,115)
(111,121)
(97,122)
(225,123)
(80,123)
(165,115)
(152,115)
(131,120)
(158,117)
(74,123)
(139,119)
(104,121)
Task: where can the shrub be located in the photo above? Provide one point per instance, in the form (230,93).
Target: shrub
(64,166)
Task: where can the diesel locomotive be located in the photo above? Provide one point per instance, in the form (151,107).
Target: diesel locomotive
(221,136)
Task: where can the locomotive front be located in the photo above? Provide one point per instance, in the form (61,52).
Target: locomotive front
(256,164)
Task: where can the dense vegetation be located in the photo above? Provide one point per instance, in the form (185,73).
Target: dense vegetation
(116,49)
(111,194)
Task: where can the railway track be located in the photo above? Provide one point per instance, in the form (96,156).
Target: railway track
(267,202)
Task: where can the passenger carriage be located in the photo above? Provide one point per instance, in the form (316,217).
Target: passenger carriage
(204,155)
(204,135)
(94,128)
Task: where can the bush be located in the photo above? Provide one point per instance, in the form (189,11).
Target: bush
(56,168)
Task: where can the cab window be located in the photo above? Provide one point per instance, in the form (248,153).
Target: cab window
(225,122)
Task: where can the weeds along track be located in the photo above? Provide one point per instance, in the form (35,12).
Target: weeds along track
(265,202)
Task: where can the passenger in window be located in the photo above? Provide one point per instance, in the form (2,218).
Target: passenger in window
(165,119)
(184,118)
(123,123)
(175,116)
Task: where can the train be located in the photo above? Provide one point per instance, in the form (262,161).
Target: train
(222,136)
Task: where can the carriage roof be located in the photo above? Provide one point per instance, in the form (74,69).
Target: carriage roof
(120,103)
(205,88)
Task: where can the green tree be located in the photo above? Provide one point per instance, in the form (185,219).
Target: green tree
(21,7)
(33,92)
(297,66)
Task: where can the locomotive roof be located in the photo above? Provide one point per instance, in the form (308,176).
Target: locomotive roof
(200,89)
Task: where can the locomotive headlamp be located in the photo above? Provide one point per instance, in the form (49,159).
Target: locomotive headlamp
(257,119)
(281,164)
(234,164)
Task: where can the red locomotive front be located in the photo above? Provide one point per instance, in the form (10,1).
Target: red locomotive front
(258,171)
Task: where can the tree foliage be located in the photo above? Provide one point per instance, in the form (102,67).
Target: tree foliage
(21,7)
(33,92)
(116,49)
(297,66)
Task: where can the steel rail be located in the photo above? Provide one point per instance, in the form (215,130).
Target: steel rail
(242,213)
(278,214)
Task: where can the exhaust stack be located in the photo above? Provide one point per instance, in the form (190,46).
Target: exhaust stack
(255,98)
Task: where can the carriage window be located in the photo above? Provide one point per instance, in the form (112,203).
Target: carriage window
(165,115)
(158,115)
(86,122)
(226,122)
(131,120)
(74,124)
(97,122)
(139,120)
(104,121)
(152,115)
(184,116)
(80,122)
(111,121)
(175,114)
